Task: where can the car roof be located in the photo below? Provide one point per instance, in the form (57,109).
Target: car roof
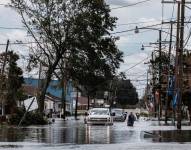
(117,109)
(99,109)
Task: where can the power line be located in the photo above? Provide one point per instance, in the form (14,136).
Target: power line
(135,65)
(131,4)
(12,28)
(172,16)
(139,28)
(158,20)
(18,43)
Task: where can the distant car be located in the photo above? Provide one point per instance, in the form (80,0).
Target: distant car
(99,116)
(120,115)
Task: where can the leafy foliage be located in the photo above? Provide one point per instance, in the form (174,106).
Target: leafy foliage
(72,36)
(126,93)
(32,118)
(13,80)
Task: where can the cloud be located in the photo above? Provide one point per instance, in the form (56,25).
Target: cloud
(17,35)
(134,63)
(117,2)
(136,70)
(4,1)
(123,40)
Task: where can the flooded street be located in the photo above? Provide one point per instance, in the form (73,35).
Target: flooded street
(72,134)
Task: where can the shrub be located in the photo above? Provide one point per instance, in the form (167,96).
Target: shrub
(31,118)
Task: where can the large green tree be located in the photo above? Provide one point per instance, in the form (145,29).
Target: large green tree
(13,80)
(126,93)
(71,35)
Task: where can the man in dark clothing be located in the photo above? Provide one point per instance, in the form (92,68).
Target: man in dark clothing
(131,119)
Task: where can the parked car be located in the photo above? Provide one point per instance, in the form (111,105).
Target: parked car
(120,115)
(99,116)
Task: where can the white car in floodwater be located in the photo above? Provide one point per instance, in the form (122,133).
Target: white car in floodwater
(99,116)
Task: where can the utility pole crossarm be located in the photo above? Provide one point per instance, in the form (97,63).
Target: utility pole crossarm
(174,1)
(173,22)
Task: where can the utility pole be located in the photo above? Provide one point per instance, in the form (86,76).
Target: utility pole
(169,72)
(160,69)
(2,74)
(177,56)
(153,84)
(180,65)
(147,83)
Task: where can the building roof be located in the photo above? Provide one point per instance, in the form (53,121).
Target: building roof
(53,89)
(29,90)
(82,100)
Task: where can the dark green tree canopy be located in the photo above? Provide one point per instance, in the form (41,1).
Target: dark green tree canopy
(72,36)
(13,79)
(126,93)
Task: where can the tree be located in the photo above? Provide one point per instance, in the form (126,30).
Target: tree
(70,32)
(12,81)
(126,93)
(95,55)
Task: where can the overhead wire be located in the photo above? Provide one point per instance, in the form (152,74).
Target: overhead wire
(12,28)
(172,16)
(137,3)
(132,23)
(134,28)
(136,64)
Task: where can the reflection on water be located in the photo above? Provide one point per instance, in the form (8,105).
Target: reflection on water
(75,132)
(69,132)
(98,134)
(169,136)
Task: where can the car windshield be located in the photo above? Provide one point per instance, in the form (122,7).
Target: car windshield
(99,112)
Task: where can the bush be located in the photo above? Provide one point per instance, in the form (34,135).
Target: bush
(31,118)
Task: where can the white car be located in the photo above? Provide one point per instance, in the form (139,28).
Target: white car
(99,116)
(119,114)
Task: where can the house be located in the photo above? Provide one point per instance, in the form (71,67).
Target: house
(53,101)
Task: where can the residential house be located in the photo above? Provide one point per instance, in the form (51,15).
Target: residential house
(53,101)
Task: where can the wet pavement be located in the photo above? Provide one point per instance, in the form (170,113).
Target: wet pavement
(72,134)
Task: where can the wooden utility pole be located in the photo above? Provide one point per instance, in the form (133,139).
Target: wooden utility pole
(169,72)
(160,70)
(177,57)
(5,58)
(2,74)
(147,84)
(153,84)
(180,65)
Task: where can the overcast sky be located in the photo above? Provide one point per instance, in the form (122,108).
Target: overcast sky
(142,14)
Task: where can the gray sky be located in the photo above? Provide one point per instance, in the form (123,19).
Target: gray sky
(143,14)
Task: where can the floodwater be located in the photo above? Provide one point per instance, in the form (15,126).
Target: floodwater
(72,132)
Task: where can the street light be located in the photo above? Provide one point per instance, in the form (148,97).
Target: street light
(160,65)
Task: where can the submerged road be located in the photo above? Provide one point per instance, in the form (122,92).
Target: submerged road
(72,134)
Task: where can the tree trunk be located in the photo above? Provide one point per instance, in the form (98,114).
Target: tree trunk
(189,109)
(64,98)
(76,108)
(88,101)
(41,95)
